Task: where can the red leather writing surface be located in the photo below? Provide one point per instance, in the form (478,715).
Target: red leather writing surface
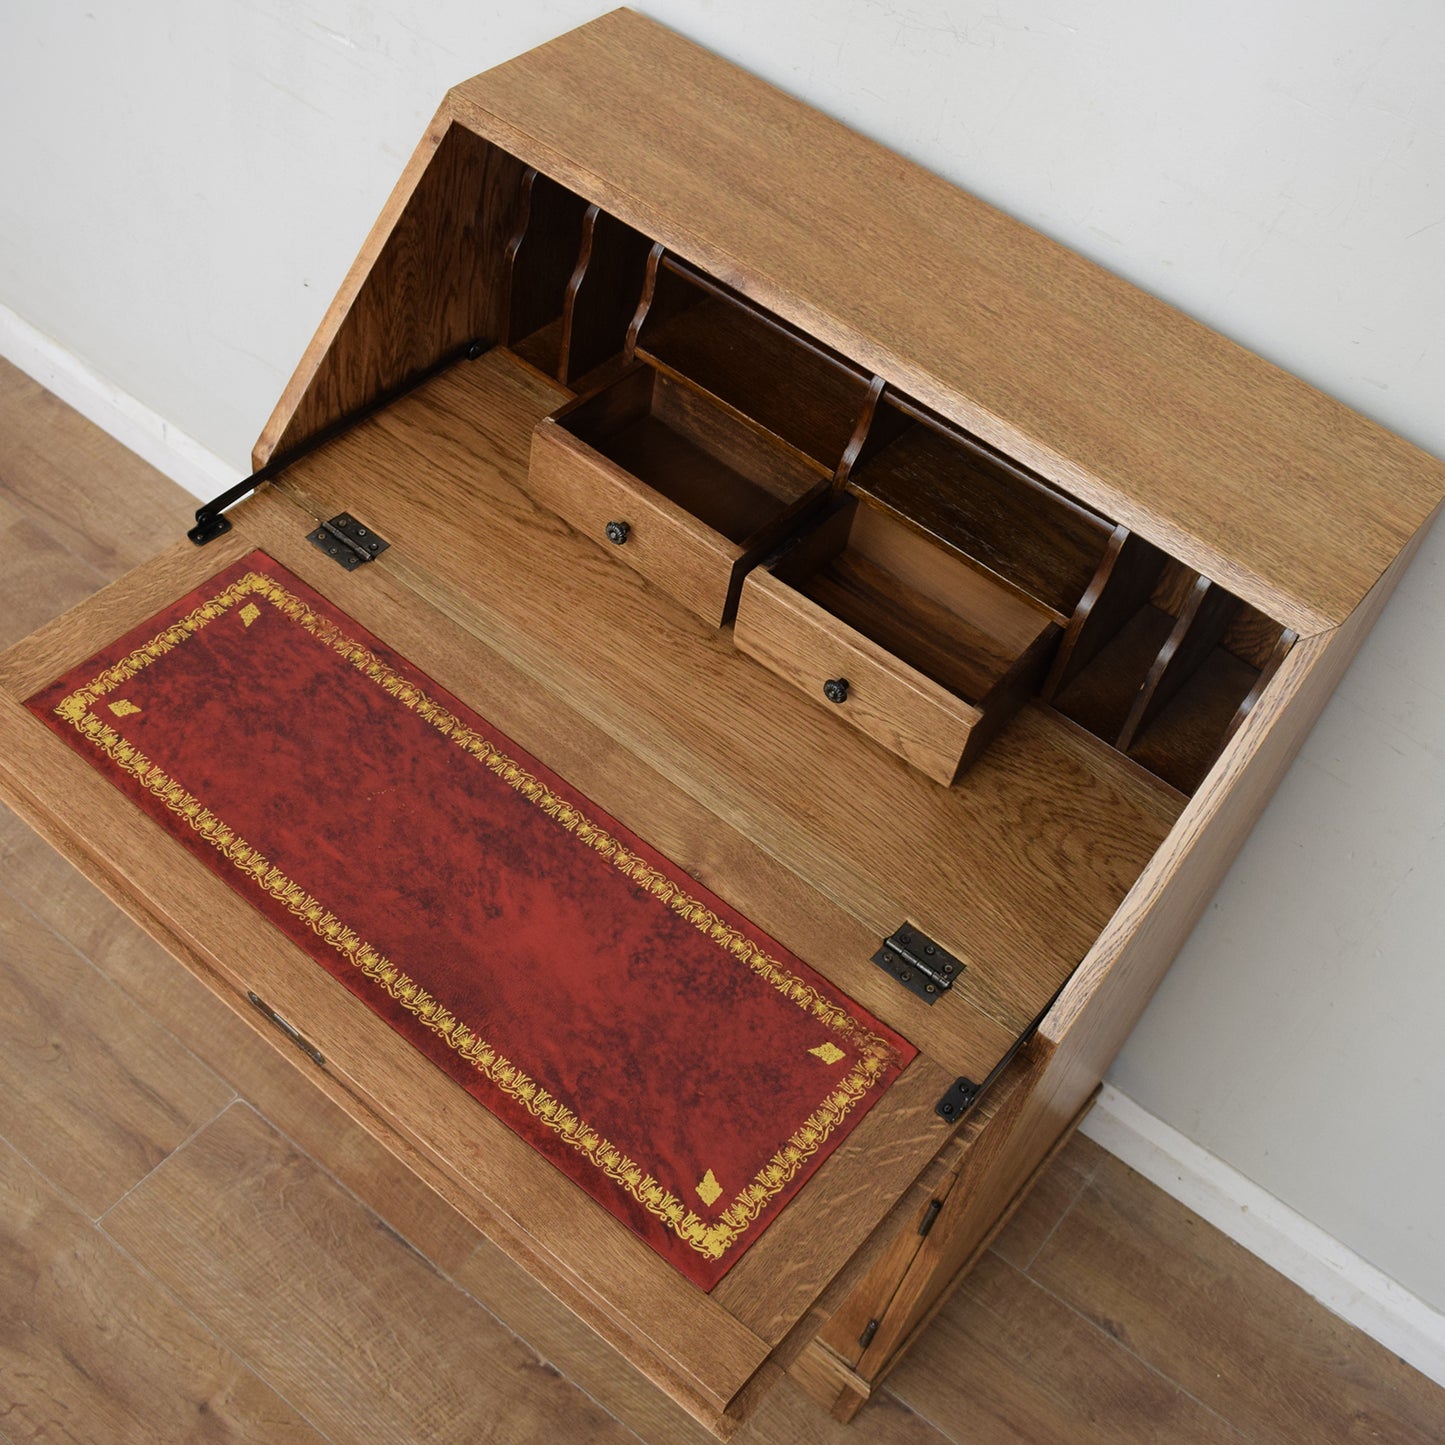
(672,1060)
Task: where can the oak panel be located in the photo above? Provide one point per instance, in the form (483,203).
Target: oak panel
(1243,471)
(785,1417)
(427,280)
(1021,906)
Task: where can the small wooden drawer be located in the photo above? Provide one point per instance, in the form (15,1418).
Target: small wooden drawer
(902,638)
(676,486)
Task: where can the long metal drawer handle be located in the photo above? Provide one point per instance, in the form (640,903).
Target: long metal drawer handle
(287,1028)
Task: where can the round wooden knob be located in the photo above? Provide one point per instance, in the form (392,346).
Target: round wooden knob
(618,532)
(836,689)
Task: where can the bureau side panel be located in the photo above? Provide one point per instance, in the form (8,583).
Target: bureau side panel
(428,279)
(1092,1017)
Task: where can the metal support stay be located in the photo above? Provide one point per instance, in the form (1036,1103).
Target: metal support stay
(210,519)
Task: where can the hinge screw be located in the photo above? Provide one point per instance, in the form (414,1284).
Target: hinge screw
(836,689)
(617,532)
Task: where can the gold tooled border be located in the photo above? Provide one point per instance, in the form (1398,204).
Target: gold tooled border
(711,1240)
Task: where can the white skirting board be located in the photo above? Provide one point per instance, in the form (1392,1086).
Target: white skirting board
(1319,1264)
(1326,1269)
(149,435)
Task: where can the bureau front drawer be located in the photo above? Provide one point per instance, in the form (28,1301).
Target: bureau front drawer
(864,684)
(672,483)
(636,523)
(896,636)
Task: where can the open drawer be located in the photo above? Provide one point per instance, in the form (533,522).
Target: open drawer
(711,450)
(678,487)
(902,638)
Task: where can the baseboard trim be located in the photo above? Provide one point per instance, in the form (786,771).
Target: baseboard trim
(200,471)
(1331,1272)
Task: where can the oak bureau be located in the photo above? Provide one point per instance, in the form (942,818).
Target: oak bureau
(927,609)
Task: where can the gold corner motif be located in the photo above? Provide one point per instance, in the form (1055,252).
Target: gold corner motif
(829,1053)
(249,613)
(711,1240)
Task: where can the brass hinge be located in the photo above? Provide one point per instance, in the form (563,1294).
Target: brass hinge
(869,1330)
(918,963)
(345,540)
(930,1216)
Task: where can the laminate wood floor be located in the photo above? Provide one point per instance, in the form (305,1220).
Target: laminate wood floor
(195,1245)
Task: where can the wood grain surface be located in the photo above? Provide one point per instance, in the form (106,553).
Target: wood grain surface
(253,1238)
(1251,476)
(805,644)
(100,1094)
(94,1346)
(1131,1262)
(664,541)
(1021,907)
(448,219)
(232,1043)
(1015,1367)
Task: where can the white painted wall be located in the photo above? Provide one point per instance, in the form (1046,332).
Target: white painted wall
(184,182)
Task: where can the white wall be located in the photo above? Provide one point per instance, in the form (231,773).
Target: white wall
(183,183)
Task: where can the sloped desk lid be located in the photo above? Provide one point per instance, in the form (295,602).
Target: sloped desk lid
(1242,470)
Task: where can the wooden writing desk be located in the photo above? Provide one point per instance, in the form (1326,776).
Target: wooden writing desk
(884,564)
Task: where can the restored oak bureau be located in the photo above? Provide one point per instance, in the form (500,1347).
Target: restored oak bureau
(925,614)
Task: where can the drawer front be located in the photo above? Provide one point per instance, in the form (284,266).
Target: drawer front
(908,713)
(636,525)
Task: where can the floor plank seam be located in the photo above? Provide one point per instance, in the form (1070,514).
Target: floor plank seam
(1077,1195)
(1153,1369)
(180,1047)
(236,1349)
(46,520)
(171,1154)
(29,512)
(61,1192)
(356,1198)
(432,1265)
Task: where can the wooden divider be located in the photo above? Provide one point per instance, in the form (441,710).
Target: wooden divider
(540,260)
(602,295)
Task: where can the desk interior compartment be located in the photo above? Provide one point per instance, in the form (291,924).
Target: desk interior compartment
(1162,663)
(676,485)
(806,396)
(572,275)
(966,496)
(907,640)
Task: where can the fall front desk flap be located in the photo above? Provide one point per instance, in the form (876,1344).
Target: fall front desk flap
(674,1061)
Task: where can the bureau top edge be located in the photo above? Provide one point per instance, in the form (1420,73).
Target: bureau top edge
(1240,469)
